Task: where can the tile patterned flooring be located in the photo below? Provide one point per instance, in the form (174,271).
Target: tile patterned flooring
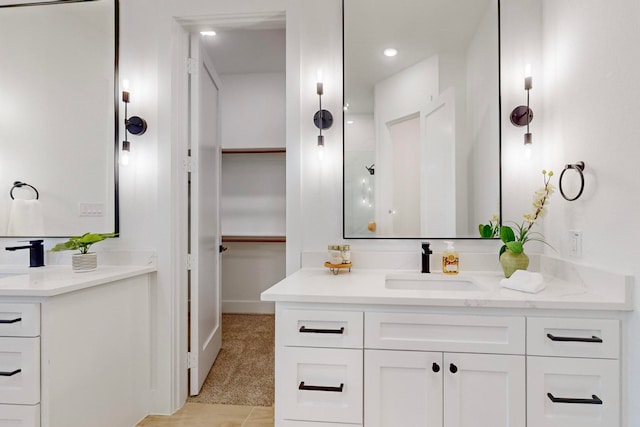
(206,415)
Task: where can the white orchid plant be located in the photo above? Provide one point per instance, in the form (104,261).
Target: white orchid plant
(514,237)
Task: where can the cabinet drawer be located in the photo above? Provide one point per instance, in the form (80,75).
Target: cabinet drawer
(320,384)
(432,332)
(20,370)
(19,415)
(316,328)
(19,320)
(288,423)
(594,338)
(568,392)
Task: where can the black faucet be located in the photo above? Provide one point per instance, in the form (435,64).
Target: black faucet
(36,252)
(425,257)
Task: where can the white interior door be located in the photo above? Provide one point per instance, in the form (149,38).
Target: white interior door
(205,298)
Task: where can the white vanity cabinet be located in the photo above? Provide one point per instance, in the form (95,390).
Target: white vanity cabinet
(319,367)
(75,349)
(444,370)
(573,372)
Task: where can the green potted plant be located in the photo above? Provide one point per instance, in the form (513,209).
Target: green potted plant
(512,256)
(83,260)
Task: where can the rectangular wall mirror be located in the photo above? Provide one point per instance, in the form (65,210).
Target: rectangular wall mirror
(421,118)
(58,118)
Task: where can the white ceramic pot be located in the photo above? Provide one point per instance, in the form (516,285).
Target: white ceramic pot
(84,262)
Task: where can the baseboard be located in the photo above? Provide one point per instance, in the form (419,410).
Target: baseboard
(239,306)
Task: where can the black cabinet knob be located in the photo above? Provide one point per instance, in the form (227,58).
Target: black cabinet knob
(453,368)
(435,367)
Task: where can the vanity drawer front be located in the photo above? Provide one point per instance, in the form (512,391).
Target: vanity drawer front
(317,328)
(595,382)
(595,338)
(20,415)
(19,320)
(320,384)
(20,370)
(434,332)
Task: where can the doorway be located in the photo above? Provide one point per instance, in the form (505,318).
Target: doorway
(249,62)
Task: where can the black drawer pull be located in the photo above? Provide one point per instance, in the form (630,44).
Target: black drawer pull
(574,339)
(595,400)
(453,368)
(10,374)
(320,388)
(435,367)
(306,330)
(9,321)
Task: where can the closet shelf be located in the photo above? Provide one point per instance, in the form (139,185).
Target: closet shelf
(255,239)
(254,150)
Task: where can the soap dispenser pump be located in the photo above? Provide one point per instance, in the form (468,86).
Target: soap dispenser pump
(450,260)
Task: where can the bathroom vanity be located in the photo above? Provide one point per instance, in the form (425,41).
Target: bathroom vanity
(387,348)
(75,347)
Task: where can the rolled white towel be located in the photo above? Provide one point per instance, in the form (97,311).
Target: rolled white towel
(525,281)
(26,218)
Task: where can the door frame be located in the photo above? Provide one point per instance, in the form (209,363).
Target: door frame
(181,27)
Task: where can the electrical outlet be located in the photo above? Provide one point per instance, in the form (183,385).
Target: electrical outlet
(90,209)
(575,243)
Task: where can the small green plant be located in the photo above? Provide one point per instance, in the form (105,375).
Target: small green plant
(514,237)
(82,243)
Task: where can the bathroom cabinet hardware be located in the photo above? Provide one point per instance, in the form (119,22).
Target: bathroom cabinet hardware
(223,249)
(435,367)
(578,167)
(9,321)
(338,389)
(304,329)
(254,150)
(575,339)
(595,400)
(10,374)
(19,184)
(453,368)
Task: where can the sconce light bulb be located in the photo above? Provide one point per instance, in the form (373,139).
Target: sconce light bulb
(319,75)
(125,153)
(320,147)
(528,80)
(125,85)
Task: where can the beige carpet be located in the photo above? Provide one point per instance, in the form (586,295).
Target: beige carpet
(243,372)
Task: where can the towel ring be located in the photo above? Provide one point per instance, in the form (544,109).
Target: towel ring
(578,167)
(19,184)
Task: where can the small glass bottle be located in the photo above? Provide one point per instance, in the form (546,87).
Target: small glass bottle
(334,254)
(345,252)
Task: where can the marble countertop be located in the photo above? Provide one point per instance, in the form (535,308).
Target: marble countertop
(587,290)
(55,280)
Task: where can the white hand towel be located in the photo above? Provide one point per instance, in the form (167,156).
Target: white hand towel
(525,281)
(26,218)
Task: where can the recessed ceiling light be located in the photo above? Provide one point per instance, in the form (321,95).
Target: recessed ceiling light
(390,51)
(208,33)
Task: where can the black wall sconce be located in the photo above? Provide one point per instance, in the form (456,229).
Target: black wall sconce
(522,115)
(134,125)
(323,119)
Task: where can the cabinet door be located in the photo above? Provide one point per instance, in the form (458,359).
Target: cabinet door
(484,390)
(402,388)
(572,392)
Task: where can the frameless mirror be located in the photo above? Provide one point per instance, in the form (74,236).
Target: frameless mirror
(58,118)
(422,117)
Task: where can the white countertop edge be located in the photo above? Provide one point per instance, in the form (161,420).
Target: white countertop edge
(316,285)
(58,280)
